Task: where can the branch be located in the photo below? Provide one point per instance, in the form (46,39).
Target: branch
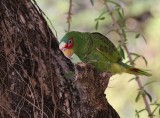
(69,15)
(131,61)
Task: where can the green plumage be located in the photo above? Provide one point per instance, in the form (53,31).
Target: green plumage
(98,50)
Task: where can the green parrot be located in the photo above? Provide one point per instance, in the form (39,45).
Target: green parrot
(97,50)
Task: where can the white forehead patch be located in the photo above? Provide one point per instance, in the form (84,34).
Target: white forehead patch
(62,45)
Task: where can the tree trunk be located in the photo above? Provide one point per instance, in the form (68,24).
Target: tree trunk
(36,80)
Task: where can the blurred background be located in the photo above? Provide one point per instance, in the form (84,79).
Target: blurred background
(140,16)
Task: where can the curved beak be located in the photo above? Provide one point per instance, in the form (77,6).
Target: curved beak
(67,52)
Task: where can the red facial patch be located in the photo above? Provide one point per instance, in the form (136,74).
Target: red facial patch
(69,44)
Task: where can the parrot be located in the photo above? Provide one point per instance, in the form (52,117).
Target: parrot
(97,50)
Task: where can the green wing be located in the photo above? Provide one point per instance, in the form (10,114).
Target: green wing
(104,46)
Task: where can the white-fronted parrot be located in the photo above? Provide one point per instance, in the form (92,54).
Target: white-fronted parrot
(97,50)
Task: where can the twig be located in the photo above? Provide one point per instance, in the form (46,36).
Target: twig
(69,15)
(131,61)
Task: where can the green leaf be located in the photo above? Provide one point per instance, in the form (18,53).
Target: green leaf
(155,103)
(138,56)
(148,95)
(154,110)
(102,14)
(97,24)
(120,14)
(121,23)
(137,114)
(92,2)
(145,60)
(137,36)
(138,96)
(122,52)
(144,38)
(115,3)
(135,54)
(96,19)
(131,79)
(102,18)
(124,34)
(149,83)
(141,110)
(99,18)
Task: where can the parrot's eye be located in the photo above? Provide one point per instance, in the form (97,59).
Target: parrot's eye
(70,42)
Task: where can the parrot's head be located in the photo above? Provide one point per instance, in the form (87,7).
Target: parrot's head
(68,43)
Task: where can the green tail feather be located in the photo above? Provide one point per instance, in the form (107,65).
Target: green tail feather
(137,71)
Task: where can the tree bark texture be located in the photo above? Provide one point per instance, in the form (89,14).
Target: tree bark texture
(36,80)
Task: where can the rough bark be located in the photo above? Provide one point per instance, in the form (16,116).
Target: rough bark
(36,80)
